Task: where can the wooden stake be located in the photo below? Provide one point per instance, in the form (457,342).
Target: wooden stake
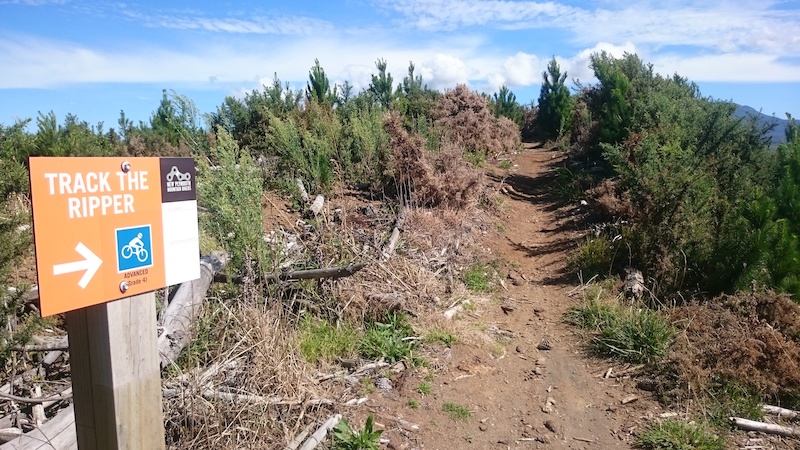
(116,378)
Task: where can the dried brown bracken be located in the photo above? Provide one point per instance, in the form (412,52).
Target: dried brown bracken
(752,338)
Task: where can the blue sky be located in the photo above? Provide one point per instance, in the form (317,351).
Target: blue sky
(93,58)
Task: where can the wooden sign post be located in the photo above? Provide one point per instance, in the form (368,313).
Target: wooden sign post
(116,377)
(109,232)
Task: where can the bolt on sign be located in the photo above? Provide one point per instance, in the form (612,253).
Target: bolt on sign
(108,228)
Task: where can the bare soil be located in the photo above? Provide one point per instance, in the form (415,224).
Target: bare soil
(535,387)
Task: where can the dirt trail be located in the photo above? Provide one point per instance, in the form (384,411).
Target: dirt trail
(507,387)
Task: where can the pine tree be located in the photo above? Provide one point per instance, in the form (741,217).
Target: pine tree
(554,102)
(505,104)
(318,88)
(381,87)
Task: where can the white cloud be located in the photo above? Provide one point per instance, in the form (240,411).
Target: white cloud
(578,66)
(732,67)
(283,26)
(445,71)
(442,14)
(522,69)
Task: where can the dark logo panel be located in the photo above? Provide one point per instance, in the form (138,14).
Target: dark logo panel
(178,181)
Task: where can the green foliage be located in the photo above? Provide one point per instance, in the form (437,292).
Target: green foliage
(634,336)
(381,88)
(673,434)
(595,256)
(413,403)
(441,336)
(424,388)
(730,399)
(456,412)
(392,340)
(229,187)
(304,153)
(504,103)
(176,120)
(555,104)
(72,138)
(594,315)
(320,341)
(415,101)
(348,439)
(615,111)
(318,88)
(702,195)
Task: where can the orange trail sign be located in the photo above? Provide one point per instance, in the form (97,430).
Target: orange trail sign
(109,228)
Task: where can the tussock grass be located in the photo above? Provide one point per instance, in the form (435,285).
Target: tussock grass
(630,333)
(677,435)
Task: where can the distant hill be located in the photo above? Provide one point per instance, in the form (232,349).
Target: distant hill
(778,134)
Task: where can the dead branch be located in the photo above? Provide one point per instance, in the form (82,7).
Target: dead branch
(185,308)
(9,434)
(37,411)
(44,345)
(294,275)
(388,251)
(769,428)
(371,366)
(294,443)
(780,412)
(330,272)
(64,396)
(319,436)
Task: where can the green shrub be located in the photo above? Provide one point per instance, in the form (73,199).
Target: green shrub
(229,187)
(441,336)
(424,388)
(595,256)
(676,435)
(555,104)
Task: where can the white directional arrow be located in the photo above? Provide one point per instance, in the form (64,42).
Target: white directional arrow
(90,265)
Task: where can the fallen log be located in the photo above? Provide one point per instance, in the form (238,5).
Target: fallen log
(769,428)
(185,307)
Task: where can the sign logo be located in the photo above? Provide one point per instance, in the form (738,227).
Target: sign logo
(134,248)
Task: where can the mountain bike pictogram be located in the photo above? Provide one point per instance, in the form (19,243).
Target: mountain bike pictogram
(135,247)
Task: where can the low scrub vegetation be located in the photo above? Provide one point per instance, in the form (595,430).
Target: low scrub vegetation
(375,153)
(704,205)
(673,184)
